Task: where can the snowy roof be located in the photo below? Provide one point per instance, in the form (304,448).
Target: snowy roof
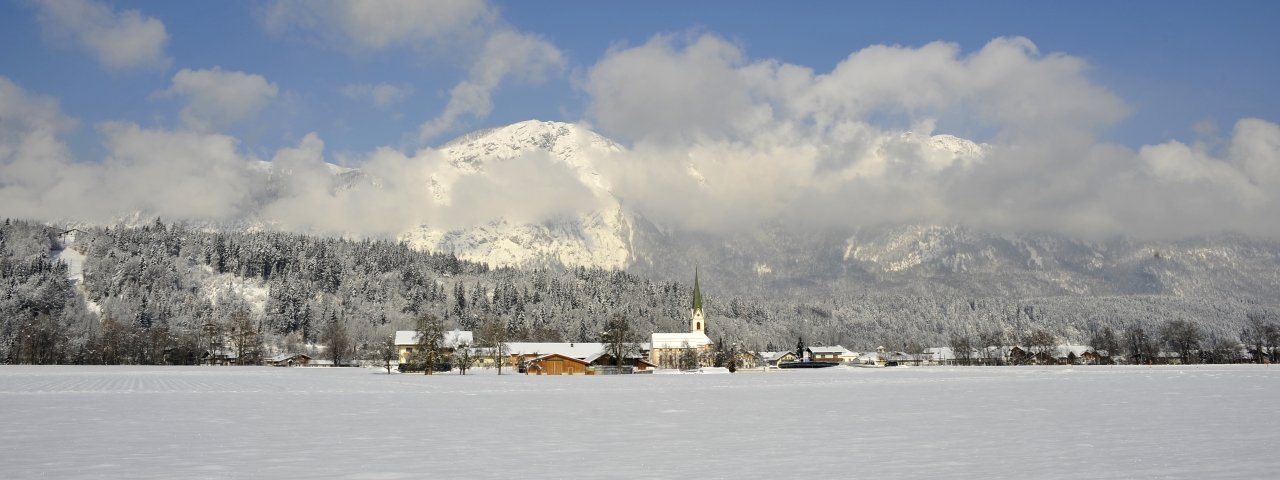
(838,350)
(287,356)
(452,338)
(1064,350)
(571,349)
(773,356)
(560,355)
(941,353)
(679,340)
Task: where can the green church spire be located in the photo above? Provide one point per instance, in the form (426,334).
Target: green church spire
(697,292)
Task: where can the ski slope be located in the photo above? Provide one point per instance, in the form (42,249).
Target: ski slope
(990,423)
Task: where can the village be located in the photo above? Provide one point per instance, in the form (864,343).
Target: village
(694,352)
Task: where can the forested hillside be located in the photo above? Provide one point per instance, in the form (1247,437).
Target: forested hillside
(161,293)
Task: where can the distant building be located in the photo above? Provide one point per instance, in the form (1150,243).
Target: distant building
(556,364)
(289,360)
(407,342)
(68,237)
(836,354)
(668,349)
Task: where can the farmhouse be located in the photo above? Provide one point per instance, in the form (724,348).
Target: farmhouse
(836,354)
(408,342)
(772,359)
(518,352)
(289,360)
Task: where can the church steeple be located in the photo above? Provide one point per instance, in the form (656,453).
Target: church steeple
(697,324)
(697,291)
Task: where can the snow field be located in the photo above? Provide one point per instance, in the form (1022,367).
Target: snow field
(1011,422)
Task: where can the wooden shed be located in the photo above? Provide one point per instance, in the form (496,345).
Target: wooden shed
(556,364)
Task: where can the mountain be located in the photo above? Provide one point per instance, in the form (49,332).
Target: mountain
(600,237)
(778,258)
(603,231)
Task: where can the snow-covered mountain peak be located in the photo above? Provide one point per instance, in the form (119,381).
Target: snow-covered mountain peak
(960,147)
(571,143)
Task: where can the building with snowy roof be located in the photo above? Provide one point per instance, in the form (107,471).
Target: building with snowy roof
(408,341)
(835,354)
(668,349)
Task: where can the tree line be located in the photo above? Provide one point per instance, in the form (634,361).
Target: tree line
(166,293)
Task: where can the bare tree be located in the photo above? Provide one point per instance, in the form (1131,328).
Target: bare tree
(1182,337)
(1042,344)
(620,341)
(244,337)
(493,338)
(431,348)
(992,343)
(915,349)
(962,348)
(336,338)
(1105,343)
(1261,335)
(1140,346)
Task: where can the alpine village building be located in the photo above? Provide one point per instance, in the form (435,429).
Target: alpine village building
(692,349)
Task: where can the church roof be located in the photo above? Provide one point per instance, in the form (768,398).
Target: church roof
(679,340)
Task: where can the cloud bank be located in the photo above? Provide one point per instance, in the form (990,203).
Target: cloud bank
(722,141)
(116,39)
(713,140)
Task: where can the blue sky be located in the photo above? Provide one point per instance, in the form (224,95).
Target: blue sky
(1174,63)
(1089,117)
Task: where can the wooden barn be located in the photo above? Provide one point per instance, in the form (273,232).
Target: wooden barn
(556,364)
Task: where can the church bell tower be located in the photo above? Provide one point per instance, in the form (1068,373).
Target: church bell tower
(698,322)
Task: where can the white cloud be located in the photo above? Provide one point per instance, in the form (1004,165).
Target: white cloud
(507,55)
(453,28)
(377,24)
(117,39)
(382,95)
(32,157)
(748,141)
(217,98)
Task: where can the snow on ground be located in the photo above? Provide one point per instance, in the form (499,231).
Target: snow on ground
(75,272)
(990,423)
(75,263)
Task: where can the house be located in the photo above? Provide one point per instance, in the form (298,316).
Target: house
(670,350)
(556,364)
(1019,355)
(836,354)
(604,360)
(407,342)
(941,356)
(748,360)
(772,359)
(523,352)
(1073,354)
(289,360)
(1095,357)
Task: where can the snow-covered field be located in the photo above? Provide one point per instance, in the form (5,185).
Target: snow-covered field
(232,422)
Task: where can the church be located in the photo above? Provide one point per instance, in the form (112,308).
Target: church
(684,350)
